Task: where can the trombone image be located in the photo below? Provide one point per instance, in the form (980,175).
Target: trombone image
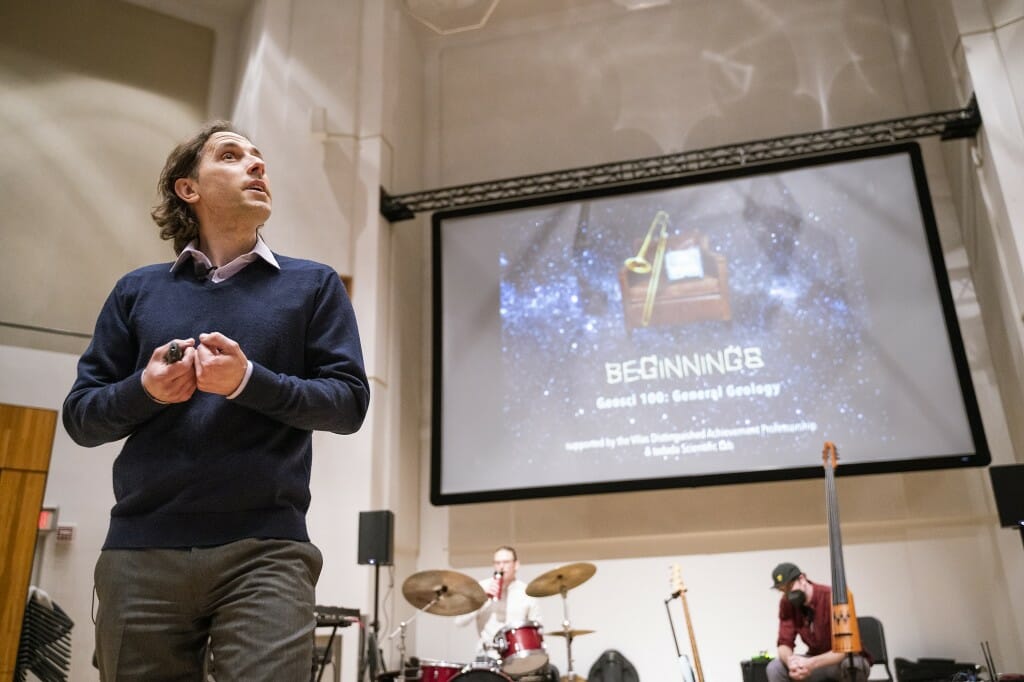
(683,281)
(641,266)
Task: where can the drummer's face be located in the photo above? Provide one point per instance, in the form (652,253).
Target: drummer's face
(505,561)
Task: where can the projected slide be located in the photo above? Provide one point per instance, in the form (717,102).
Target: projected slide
(700,333)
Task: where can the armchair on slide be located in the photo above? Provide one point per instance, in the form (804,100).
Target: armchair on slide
(685,282)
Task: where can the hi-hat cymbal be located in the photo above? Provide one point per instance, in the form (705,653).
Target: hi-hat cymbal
(564,577)
(571,634)
(456,593)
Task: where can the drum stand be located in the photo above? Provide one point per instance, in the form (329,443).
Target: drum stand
(400,630)
(559,581)
(570,673)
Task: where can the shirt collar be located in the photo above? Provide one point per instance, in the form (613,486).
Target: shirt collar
(192,252)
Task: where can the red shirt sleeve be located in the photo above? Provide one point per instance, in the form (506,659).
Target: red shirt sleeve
(787,626)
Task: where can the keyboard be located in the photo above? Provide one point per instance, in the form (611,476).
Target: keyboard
(335,616)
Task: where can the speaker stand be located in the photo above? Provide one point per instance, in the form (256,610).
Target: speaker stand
(374,656)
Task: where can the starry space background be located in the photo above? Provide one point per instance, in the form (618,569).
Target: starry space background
(828,277)
(796,293)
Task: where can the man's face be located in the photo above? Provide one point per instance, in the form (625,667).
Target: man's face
(231,183)
(505,561)
(797,583)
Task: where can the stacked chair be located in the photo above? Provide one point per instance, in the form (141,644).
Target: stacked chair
(45,645)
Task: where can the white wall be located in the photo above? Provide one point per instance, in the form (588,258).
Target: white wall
(85,133)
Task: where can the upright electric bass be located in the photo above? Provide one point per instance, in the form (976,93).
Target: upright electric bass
(845,631)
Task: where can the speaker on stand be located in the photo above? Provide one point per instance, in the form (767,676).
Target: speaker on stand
(376,548)
(1007,483)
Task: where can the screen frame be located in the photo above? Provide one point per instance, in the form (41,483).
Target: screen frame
(981,456)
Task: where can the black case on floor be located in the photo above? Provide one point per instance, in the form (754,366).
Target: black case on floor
(754,670)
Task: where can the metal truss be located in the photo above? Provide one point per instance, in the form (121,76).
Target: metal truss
(957,123)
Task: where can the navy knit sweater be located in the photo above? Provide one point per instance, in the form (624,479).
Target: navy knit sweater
(211,470)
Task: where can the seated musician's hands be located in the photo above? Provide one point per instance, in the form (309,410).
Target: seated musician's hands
(799,668)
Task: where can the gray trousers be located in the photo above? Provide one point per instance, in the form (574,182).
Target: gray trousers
(251,600)
(778,672)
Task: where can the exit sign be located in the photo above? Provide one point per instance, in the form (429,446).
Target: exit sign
(47,519)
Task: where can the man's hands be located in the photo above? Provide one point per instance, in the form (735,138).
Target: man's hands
(491,589)
(220,364)
(217,365)
(799,667)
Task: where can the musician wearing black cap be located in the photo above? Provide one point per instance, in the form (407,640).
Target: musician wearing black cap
(806,610)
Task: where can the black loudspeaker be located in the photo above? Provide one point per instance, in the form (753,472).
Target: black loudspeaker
(376,537)
(755,669)
(1007,486)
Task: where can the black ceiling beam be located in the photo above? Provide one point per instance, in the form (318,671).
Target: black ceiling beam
(949,125)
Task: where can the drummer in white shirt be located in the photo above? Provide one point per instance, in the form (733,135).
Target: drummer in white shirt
(507,602)
(507,607)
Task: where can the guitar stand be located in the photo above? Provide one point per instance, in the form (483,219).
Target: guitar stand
(687,672)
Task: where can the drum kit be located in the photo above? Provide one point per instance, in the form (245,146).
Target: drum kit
(522,655)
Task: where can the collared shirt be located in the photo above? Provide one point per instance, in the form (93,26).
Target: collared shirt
(224,272)
(514,607)
(203,264)
(813,621)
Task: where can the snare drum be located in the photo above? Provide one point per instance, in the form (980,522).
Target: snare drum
(521,646)
(438,671)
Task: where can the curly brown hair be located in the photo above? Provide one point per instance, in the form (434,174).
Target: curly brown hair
(175,217)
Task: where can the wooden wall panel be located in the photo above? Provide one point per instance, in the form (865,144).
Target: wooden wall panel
(26,437)
(26,440)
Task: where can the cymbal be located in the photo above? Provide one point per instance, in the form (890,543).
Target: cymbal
(567,577)
(572,633)
(456,593)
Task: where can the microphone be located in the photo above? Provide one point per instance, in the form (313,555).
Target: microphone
(498,576)
(202,271)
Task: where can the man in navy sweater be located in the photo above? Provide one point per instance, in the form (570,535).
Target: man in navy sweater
(216,369)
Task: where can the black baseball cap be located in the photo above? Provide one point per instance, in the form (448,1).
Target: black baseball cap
(784,573)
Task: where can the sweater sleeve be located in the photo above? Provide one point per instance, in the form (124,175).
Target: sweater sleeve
(107,401)
(334,395)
